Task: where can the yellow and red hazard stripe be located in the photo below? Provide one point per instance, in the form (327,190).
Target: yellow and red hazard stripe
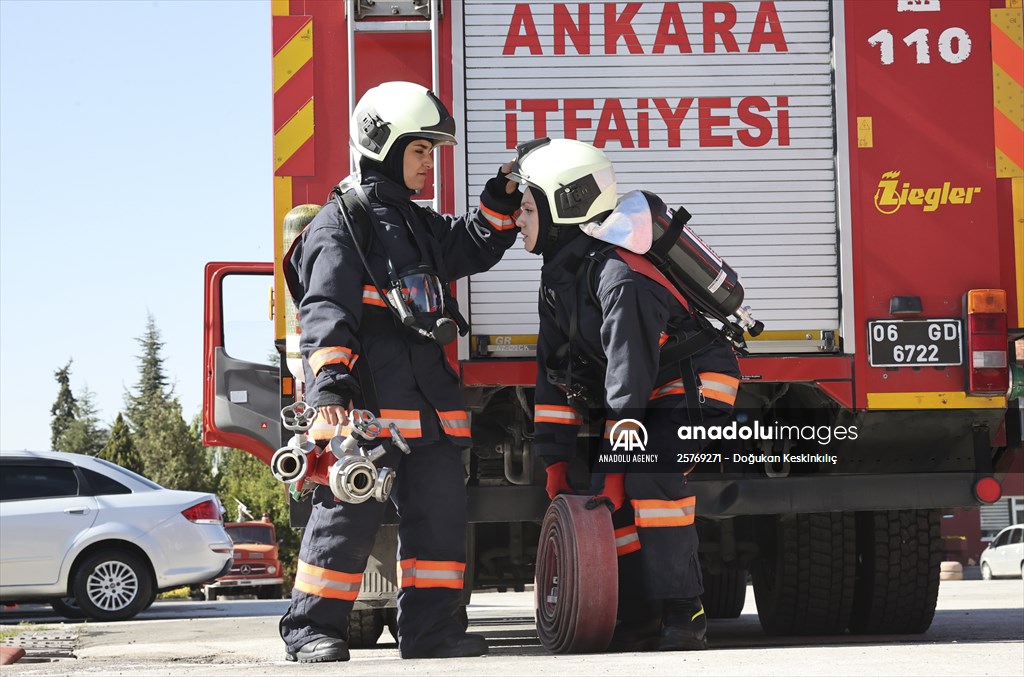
(1008,89)
(292,42)
(293,95)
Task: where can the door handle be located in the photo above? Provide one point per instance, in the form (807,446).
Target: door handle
(77,511)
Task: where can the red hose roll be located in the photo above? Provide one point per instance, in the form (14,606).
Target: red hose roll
(577,584)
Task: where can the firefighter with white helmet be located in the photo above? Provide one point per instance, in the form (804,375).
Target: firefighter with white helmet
(613,345)
(371,279)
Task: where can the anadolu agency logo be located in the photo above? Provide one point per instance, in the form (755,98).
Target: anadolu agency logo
(890,195)
(628,435)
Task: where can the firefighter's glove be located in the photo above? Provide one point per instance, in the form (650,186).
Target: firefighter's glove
(612,494)
(504,192)
(558,483)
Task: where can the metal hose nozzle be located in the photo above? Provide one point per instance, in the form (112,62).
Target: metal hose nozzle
(289,465)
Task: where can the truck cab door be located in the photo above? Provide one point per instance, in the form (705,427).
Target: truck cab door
(241,392)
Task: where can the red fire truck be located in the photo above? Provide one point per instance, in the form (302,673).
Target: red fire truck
(859,164)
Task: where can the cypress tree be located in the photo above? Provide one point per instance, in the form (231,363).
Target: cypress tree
(151,392)
(120,448)
(85,434)
(62,413)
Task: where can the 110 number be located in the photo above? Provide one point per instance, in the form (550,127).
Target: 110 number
(954,45)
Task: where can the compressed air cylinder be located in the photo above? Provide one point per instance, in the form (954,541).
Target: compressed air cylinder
(295,222)
(692,265)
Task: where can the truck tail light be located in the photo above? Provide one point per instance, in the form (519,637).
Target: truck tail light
(988,372)
(987,490)
(207,512)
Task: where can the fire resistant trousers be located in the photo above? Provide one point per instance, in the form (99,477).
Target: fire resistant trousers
(655,536)
(430,495)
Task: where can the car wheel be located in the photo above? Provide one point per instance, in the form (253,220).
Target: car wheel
(112,585)
(67,607)
(152,598)
(986,572)
(1022,570)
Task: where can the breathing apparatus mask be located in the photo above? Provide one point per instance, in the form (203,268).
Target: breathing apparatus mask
(417,296)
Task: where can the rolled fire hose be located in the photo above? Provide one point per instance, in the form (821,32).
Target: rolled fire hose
(577,584)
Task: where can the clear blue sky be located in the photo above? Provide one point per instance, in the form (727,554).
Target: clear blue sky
(135,146)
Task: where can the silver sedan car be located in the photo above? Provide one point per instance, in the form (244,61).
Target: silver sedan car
(98,540)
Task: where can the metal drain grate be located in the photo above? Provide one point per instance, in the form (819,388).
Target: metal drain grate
(45,644)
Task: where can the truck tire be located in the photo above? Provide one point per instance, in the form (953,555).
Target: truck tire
(210,594)
(898,563)
(725,592)
(804,577)
(268,592)
(391,618)
(112,585)
(364,627)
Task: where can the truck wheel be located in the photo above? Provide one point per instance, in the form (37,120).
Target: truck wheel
(898,561)
(210,594)
(112,585)
(391,618)
(725,592)
(364,627)
(804,577)
(268,592)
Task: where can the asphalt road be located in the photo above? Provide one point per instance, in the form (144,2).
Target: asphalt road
(978,630)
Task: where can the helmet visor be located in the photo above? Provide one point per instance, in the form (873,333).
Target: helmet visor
(522,150)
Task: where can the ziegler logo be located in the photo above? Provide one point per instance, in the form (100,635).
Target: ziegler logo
(890,195)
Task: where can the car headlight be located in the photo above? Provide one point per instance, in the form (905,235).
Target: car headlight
(271,569)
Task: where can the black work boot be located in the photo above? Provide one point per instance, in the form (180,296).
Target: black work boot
(686,626)
(636,635)
(322,650)
(458,646)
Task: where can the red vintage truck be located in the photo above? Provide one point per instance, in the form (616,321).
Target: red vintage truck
(256,569)
(859,164)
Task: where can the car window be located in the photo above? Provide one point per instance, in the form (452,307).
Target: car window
(1001,539)
(251,534)
(1017,536)
(25,482)
(101,485)
(124,471)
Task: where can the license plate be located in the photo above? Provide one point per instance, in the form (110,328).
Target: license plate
(915,343)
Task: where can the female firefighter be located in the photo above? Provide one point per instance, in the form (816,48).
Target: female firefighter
(606,329)
(370,276)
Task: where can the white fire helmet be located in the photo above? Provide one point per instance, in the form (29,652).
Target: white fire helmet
(395,109)
(577,179)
